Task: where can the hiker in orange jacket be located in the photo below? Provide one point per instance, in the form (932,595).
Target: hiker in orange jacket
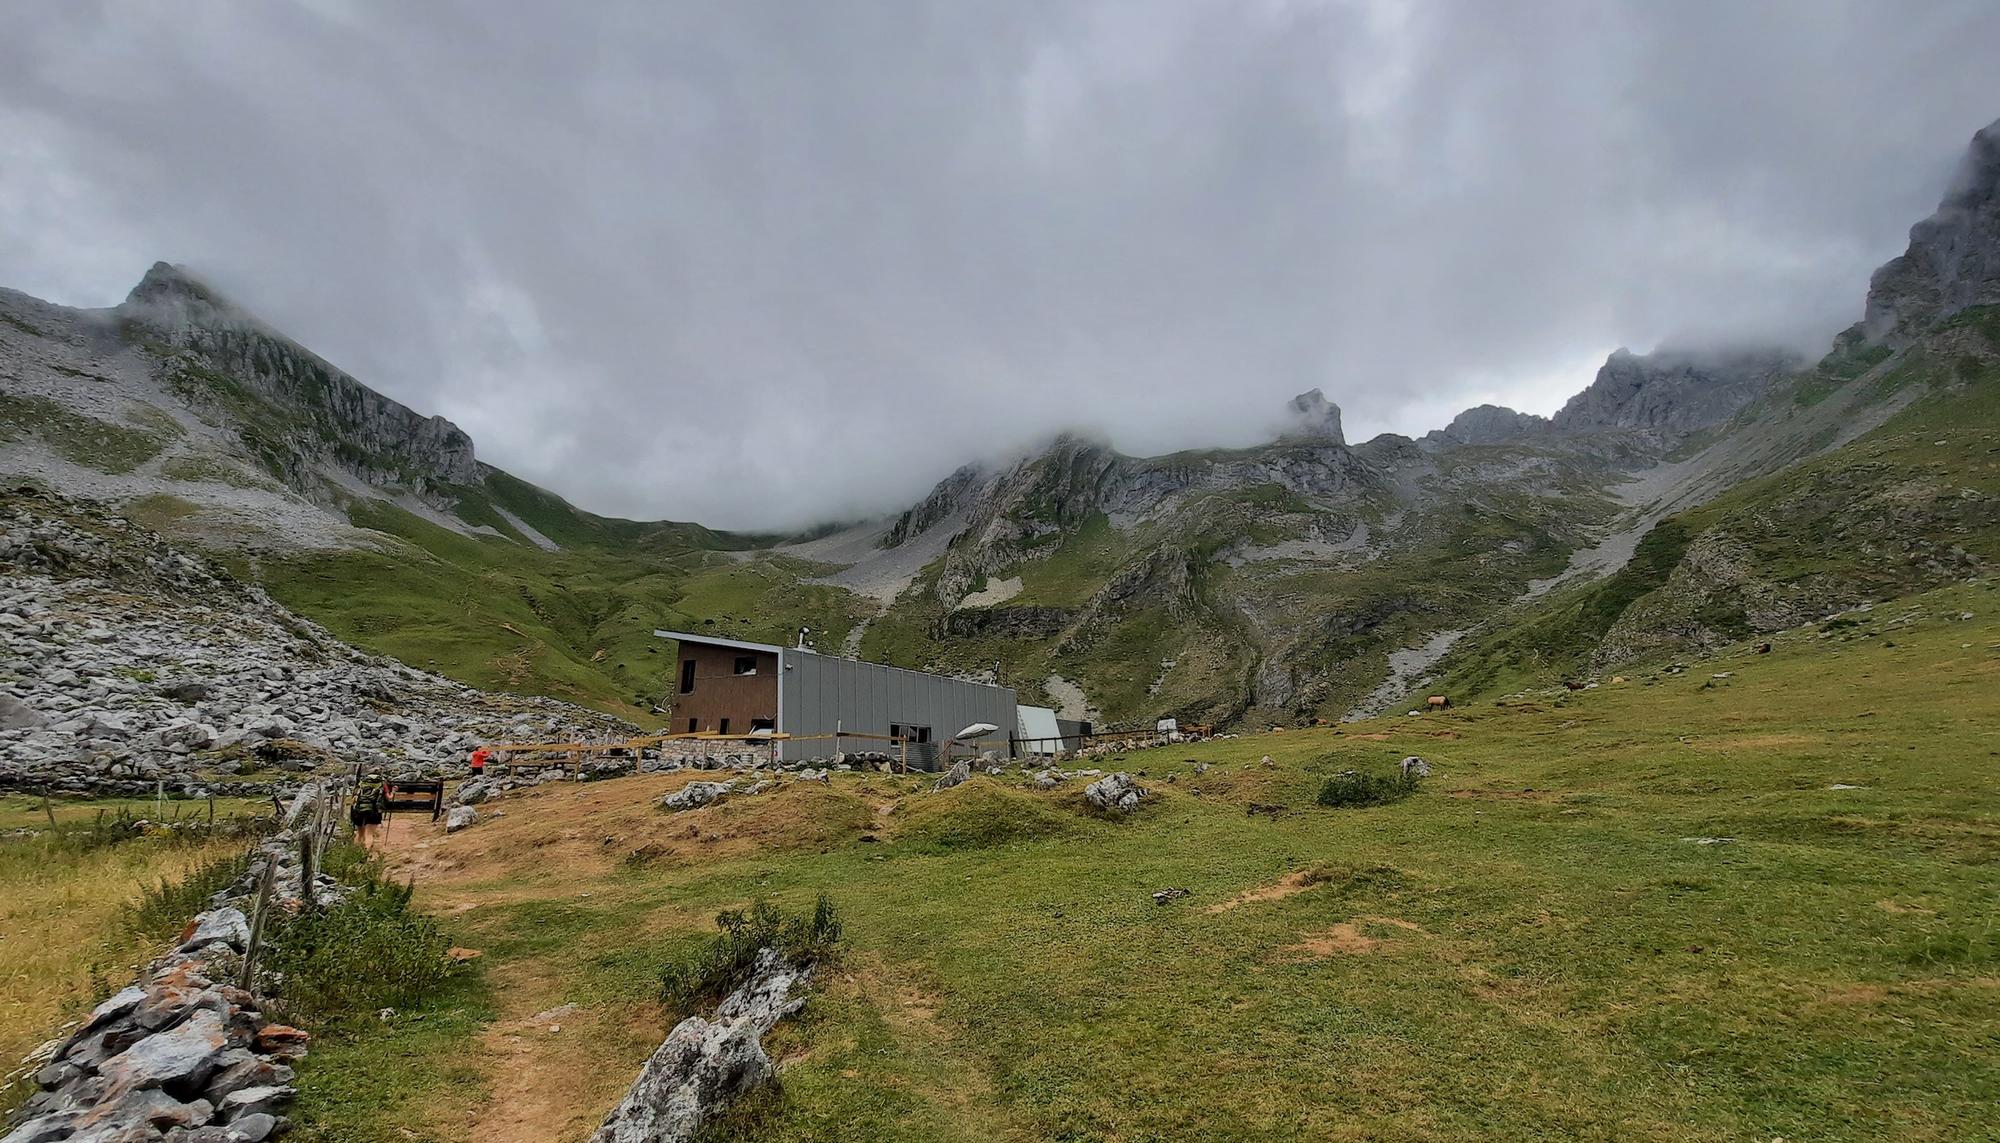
(478,760)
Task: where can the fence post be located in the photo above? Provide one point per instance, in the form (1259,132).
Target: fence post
(249,981)
(308,841)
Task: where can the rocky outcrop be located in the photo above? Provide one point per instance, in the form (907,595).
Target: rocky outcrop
(695,795)
(1311,417)
(1115,793)
(705,1063)
(1487,425)
(1953,260)
(1670,395)
(311,413)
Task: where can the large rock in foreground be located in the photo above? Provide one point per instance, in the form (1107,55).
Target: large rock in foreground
(706,1063)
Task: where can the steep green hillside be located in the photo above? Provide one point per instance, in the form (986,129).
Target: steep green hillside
(576,623)
(1909,506)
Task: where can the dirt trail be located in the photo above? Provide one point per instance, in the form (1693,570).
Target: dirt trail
(554,1069)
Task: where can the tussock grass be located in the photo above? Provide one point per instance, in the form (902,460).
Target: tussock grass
(372,951)
(980,814)
(164,908)
(1351,788)
(720,964)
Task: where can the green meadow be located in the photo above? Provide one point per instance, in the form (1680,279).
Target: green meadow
(1754,897)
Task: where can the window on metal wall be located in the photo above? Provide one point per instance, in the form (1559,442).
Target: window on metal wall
(687,676)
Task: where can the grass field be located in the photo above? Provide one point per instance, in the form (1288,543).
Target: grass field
(1752,900)
(65,939)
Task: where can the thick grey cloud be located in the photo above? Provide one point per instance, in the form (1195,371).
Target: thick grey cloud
(764,263)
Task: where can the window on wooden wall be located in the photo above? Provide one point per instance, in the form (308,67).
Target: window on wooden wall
(687,676)
(746,664)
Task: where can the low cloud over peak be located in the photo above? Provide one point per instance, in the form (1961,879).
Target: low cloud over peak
(761,264)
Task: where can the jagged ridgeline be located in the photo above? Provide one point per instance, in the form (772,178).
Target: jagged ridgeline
(1686,496)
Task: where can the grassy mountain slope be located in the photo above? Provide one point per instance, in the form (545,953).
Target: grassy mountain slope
(1226,600)
(576,623)
(1910,505)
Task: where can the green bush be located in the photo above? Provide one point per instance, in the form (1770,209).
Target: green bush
(1355,788)
(369,952)
(722,962)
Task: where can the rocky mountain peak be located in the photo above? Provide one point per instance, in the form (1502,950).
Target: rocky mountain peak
(171,297)
(1488,424)
(1671,394)
(1953,261)
(1311,417)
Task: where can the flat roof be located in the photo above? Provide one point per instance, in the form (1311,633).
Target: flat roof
(740,645)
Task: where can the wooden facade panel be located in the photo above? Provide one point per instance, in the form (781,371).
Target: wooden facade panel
(722,692)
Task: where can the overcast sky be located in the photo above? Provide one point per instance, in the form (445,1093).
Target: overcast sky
(759,264)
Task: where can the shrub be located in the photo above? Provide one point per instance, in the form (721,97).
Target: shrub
(1355,788)
(369,952)
(721,963)
(163,910)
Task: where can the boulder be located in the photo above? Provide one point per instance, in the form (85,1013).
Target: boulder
(283,1041)
(226,925)
(459,817)
(704,1063)
(476,791)
(694,795)
(180,1058)
(151,1107)
(44,1129)
(266,1100)
(238,1069)
(249,1129)
(1116,793)
(960,771)
(17,715)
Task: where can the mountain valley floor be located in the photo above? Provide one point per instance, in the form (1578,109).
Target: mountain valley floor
(1754,898)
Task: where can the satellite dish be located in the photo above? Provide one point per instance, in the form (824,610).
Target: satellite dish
(976,730)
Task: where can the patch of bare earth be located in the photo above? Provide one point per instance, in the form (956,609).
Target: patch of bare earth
(1297,881)
(564,831)
(1352,938)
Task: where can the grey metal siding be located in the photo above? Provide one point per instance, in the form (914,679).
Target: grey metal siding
(821,694)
